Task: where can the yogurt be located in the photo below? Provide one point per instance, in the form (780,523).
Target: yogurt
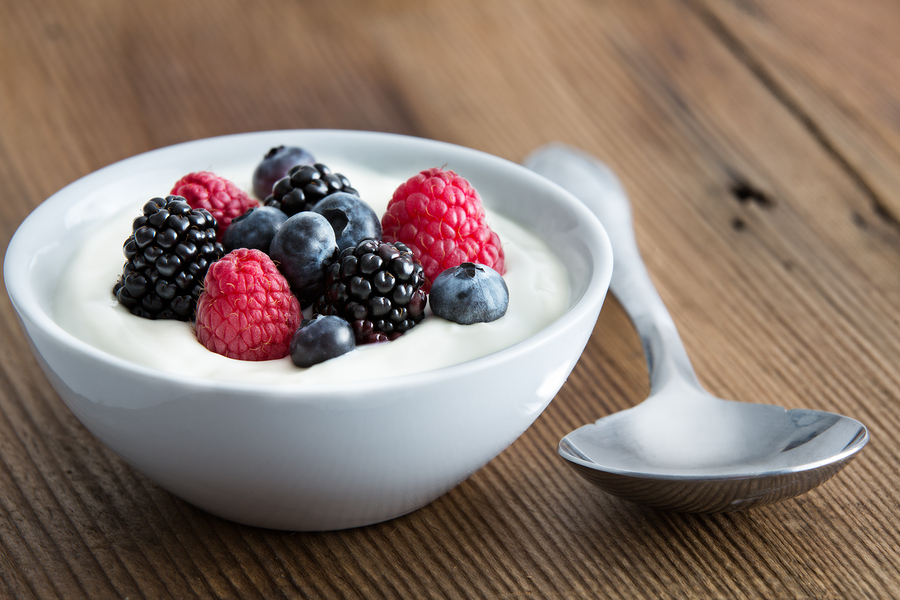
(85,307)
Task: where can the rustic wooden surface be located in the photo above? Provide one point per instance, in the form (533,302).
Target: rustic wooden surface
(760,142)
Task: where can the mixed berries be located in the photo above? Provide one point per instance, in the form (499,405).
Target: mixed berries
(312,271)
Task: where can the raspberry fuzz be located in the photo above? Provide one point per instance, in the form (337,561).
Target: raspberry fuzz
(224,200)
(246,310)
(439,215)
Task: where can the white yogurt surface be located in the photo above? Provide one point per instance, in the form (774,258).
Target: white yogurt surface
(85,307)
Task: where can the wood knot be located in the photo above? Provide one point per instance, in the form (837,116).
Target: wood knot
(745,193)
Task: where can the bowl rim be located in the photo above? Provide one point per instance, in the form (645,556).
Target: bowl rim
(20,290)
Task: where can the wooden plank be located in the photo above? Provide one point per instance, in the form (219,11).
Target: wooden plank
(777,264)
(834,67)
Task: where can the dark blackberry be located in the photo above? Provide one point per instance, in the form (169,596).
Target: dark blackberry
(376,287)
(305,185)
(168,252)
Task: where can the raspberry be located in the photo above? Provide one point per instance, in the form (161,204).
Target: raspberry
(224,200)
(439,215)
(246,310)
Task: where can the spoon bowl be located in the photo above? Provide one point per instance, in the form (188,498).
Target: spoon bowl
(683,449)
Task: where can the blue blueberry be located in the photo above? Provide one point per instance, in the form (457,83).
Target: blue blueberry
(303,248)
(469,294)
(353,220)
(275,165)
(254,229)
(320,339)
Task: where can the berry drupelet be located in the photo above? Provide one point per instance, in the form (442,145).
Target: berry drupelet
(168,253)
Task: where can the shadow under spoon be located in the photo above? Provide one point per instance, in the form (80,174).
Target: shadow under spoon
(683,449)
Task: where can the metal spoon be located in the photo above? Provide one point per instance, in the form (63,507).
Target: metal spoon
(683,449)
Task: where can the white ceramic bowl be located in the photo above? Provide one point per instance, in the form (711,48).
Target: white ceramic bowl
(317,456)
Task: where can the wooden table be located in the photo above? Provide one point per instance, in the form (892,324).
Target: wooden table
(760,143)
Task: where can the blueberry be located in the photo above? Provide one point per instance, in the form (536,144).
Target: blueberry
(254,229)
(352,219)
(303,249)
(275,165)
(320,339)
(469,294)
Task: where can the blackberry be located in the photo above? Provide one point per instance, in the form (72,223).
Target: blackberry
(304,186)
(168,252)
(376,287)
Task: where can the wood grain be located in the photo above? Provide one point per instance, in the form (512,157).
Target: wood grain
(759,142)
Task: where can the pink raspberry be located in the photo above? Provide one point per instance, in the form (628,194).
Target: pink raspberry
(247,310)
(439,215)
(216,194)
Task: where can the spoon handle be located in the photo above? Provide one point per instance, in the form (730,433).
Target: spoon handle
(599,189)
